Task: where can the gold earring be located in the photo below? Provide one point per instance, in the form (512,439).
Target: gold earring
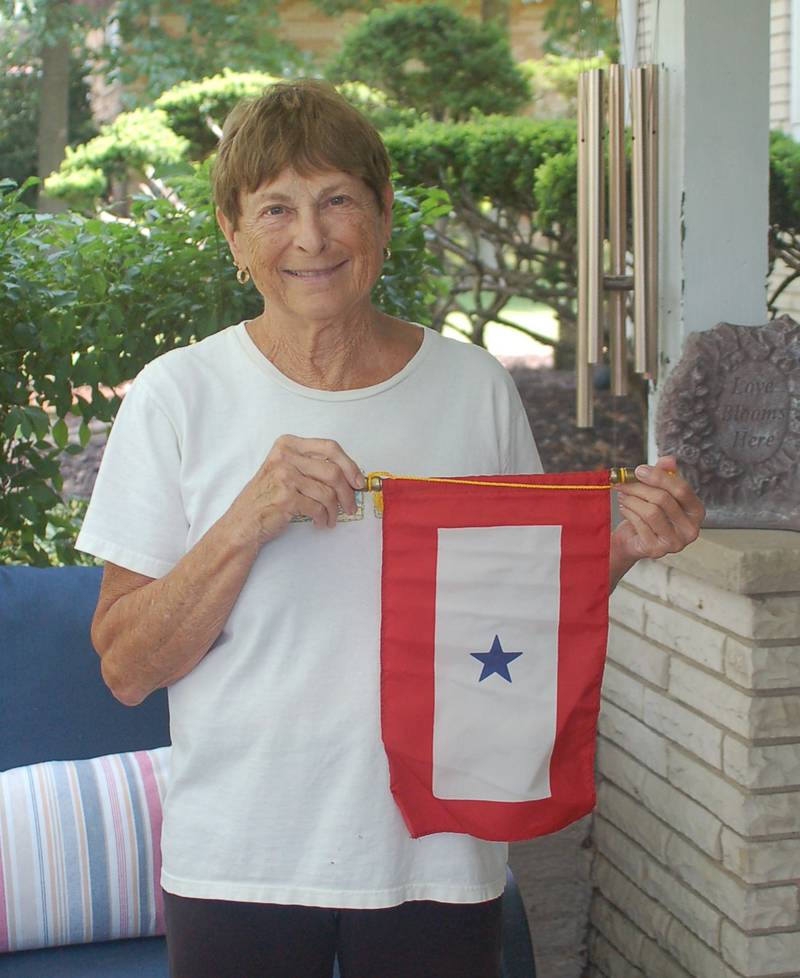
(242,274)
(387,253)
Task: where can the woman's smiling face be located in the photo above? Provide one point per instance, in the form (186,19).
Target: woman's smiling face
(313,244)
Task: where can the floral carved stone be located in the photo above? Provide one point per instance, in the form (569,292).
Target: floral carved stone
(730,413)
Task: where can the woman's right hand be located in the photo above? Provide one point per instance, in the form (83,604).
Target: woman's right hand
(310,477)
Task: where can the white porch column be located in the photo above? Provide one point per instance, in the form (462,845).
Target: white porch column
(714,165)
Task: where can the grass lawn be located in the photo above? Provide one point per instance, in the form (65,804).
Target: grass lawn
(504,341)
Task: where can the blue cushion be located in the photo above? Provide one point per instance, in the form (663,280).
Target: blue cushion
(53,702)
(145,957)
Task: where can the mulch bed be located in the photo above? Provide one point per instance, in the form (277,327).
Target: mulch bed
(549,398)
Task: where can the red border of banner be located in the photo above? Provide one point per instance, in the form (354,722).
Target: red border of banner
(413,512)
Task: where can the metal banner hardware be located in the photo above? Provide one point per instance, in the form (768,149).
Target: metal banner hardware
(373,485)
(341,516)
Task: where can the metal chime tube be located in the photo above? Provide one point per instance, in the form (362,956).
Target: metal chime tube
(651,195)
(595,230)
(640,224)
(617,228)
(584,415)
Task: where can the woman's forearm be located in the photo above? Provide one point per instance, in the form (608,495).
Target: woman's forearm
(155,634)
(619,565)
(150,633)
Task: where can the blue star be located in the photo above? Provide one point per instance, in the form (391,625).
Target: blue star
(495,660)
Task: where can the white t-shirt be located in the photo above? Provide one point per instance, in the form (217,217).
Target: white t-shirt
(279,786)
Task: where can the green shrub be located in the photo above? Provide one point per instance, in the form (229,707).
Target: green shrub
(411,281)
(513,231)
(556,194)
(784,182)
(86,302)
(77,186)
(432,59)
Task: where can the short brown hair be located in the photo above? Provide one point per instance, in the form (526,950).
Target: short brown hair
(304,124)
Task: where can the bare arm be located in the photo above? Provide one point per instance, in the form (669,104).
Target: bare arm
(149,633)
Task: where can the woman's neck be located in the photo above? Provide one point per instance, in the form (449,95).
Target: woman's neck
(366,350)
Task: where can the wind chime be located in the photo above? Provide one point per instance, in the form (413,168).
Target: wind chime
(598,288)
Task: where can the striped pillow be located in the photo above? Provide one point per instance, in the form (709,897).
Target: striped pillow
(80,854)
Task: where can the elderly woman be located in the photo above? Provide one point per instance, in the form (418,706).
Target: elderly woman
(282,845)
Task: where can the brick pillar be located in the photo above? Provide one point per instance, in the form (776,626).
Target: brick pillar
(697,829)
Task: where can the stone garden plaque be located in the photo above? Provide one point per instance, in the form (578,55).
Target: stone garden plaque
(730,413)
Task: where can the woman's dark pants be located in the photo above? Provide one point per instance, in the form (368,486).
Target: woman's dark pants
(419,939)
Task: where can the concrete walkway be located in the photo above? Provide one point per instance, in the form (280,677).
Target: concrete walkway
(553,876)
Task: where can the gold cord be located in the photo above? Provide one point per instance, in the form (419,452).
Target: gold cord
(617,477)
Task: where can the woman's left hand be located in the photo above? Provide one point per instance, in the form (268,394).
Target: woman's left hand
(661,515)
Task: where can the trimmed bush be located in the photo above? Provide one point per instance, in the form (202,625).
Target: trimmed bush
(133,142)
(492,157)
(433,59)
(513,228)
(196,110)
(185,124)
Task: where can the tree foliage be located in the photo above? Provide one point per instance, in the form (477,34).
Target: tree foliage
(20,79)
(85,302)
(554,83)
(335,7)
(433,59)
(155,44)
(580,29)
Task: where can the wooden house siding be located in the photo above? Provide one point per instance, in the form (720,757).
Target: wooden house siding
(780,85)
(646,27)
(780,65)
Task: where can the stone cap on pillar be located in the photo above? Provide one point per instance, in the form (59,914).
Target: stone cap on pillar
(743,561)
